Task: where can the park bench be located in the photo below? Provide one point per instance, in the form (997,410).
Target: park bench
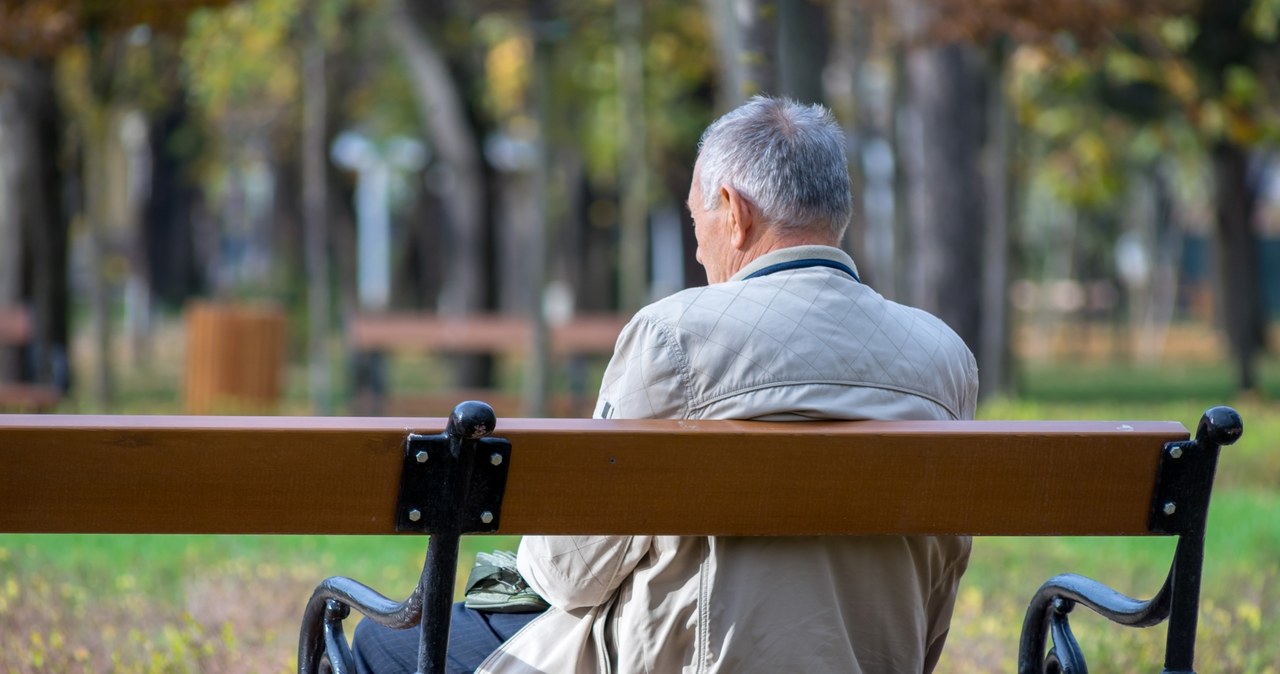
(375,336)
(16,332)
(260,475)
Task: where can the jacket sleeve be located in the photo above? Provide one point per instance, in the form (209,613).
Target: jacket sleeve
(645,379)
(573,572)
(648,376)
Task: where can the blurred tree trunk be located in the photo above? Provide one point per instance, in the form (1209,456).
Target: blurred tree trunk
(315,201)
(454,140)
(896,283)
(15,140)
(758,27)
(96,125)
(945,90)
(168,221)
(633,169)
(802,29)
(135,147)
(345,70)
(341,226)
(994,351)
(566,221)
(595,274)
(286,212)
(850,45)
(1224,43)
(518,204)
(1235,198)
(1166,248)
(537,376)
(727,39)
(95,160)
(47,232)
(424,243)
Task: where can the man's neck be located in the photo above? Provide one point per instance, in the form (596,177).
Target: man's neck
(793,254)
(771,240)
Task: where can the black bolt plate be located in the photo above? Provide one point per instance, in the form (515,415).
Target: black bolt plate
(1186,482)
(423,485)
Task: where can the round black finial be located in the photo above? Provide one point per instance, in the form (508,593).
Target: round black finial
(1220,425)
(471,419)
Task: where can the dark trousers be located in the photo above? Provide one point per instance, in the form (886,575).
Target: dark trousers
(473,636)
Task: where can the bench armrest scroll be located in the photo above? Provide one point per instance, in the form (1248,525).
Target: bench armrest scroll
(1180,506)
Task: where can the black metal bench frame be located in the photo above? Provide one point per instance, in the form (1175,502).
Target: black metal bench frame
(464,471)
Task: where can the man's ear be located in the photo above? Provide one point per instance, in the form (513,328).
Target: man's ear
(741,217)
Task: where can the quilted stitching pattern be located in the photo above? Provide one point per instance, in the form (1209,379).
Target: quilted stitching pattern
(793,328)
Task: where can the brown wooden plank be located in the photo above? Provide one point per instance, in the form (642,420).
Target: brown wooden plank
(426,333)
(28,397)
(16,330)
(15,325)
(339,475)
(980,478)
(587,334)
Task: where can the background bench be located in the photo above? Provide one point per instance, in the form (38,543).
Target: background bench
(375,336)
(16,332)
(556,476)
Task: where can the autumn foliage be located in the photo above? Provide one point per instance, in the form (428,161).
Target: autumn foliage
(42,27)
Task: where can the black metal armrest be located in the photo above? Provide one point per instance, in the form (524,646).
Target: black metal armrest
(1180,506)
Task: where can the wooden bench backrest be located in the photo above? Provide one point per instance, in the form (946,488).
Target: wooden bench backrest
(17,329)
(480,334)
(15,326)
(257,475)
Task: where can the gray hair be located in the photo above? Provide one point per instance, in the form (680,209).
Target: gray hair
(787,158)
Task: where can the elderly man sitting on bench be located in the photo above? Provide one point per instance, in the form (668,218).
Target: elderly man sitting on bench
(785,330)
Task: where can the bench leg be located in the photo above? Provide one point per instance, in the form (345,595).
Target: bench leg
(438,576)
(1180,642)
(322,647)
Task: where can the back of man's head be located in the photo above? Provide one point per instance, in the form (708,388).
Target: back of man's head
(788,159)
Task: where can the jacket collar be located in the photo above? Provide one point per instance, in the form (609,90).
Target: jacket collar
(794,254)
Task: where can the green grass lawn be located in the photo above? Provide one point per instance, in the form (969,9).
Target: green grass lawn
(208,603)
(1126,382)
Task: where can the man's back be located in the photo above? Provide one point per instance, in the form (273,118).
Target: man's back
(806,341)
(784,331)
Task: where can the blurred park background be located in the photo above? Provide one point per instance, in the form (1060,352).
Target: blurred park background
(387,206)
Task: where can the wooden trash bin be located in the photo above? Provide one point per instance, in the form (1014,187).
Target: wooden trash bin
(234,358)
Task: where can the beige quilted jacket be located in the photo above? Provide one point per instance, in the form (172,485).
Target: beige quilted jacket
(803,341)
